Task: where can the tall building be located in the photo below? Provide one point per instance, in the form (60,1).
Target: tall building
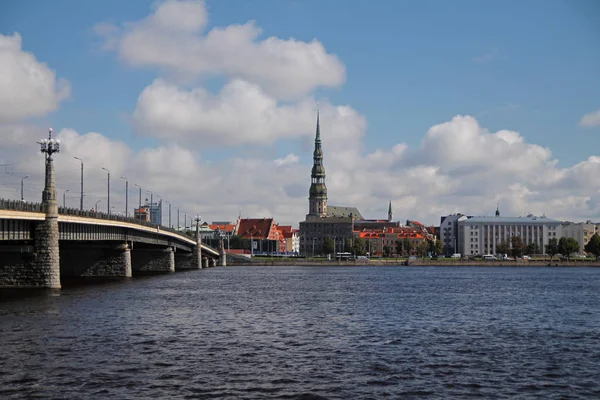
(323,221)
(582,232)
(449,232)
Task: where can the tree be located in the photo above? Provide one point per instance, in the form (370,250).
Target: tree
(593,246)
(387,251)
(531,249)
(439,248)
(328,245)
(448,250)
(407,246)
(399,248)
(502,248)
(552,248)
(358,248)
(516,246)
(567,246)
(423,248)
(348,245)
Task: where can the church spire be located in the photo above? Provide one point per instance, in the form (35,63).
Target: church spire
(390,215)
(318,191)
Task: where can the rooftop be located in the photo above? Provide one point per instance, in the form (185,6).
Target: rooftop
(511,220)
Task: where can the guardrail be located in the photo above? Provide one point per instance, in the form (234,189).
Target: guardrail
(17,205)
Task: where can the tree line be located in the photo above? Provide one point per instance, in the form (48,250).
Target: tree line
(565,246)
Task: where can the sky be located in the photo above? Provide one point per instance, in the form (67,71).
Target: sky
(439,107)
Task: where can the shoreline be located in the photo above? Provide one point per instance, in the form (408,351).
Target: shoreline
(415,263)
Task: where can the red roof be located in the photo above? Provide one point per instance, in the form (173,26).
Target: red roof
(263,228)
(222,227)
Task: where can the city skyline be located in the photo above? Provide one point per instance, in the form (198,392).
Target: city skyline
(193,102)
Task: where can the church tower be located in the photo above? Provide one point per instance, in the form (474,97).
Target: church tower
(317,199)
(390,215)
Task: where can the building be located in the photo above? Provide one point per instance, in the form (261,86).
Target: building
(376,240)
(323,221)
(262,233)
(142,214)
(582,232)
(449,232)
(481,235)
(289,239)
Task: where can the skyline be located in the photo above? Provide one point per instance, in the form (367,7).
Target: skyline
(469,118)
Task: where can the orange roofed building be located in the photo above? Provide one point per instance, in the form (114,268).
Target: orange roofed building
(262,232)
(375,240)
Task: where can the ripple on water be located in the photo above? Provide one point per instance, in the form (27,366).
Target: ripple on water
(310,333)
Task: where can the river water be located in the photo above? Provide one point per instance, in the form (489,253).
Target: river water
(309,333)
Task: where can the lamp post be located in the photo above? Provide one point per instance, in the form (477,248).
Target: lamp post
(151,203)
(140,200)
(108,191)
(251,246)
(177,219)
(65,198)
(126,196)
(169,213)
(313,249)
(96,206)
(159,219)
(22,179)
(334,245)
(81,199)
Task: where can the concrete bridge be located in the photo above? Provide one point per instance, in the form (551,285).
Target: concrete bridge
(40,242)
(92,244)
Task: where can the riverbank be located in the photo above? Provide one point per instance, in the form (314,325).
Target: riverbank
(432,263)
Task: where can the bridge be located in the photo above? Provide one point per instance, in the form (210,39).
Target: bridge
(40,242)
(93,244)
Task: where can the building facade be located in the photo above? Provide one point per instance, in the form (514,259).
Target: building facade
(582,232)
(449,232)
(482,235)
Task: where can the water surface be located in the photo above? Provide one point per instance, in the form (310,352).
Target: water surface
(310,332)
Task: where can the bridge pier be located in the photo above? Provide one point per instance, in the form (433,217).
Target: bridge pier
(153,260)
(205,262)
(104,260)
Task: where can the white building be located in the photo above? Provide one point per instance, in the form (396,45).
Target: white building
(481,235)
(582,232)
(449,232)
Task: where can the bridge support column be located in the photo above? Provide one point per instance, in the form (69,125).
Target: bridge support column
(205,262)
(153,260)
(222,254)
(213,262)
(100,260)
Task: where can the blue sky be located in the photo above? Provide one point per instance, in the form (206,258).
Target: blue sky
(531,67)
(409,64)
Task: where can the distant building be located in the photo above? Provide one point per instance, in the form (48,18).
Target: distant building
(376,240)
(582,232)
(262,233)
(323,221)
(142,214)
(482,235)
(449,232)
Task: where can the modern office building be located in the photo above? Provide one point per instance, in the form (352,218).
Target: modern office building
(449,232)
(481,235)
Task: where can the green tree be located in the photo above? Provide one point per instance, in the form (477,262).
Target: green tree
(398,248)
(358,247)
(328,245)
(516,246)
(593,246)
(348,245)
(439,248)
(502,248)
(423,248)
(531,249)
(387,251)
(552,248)
(407,244)
(567,246)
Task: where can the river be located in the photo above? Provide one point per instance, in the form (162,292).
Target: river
(309,333)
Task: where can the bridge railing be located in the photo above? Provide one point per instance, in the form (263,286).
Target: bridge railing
(17,205)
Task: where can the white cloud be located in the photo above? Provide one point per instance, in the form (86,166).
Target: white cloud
(591,119)
(241,113)
(172,39)
(486,57)
(459,166)
(288,159)
(28,88)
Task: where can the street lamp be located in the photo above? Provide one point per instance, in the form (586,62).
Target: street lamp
(126,196)
(140,200)
(65,198)
(81,200)
(334,245)
(177,219)
(151,204)
(96,206)
(169,213)
(108,201)
(22,179)
(313,249)
(159,219)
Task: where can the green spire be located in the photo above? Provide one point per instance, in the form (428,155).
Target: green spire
(318,138)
